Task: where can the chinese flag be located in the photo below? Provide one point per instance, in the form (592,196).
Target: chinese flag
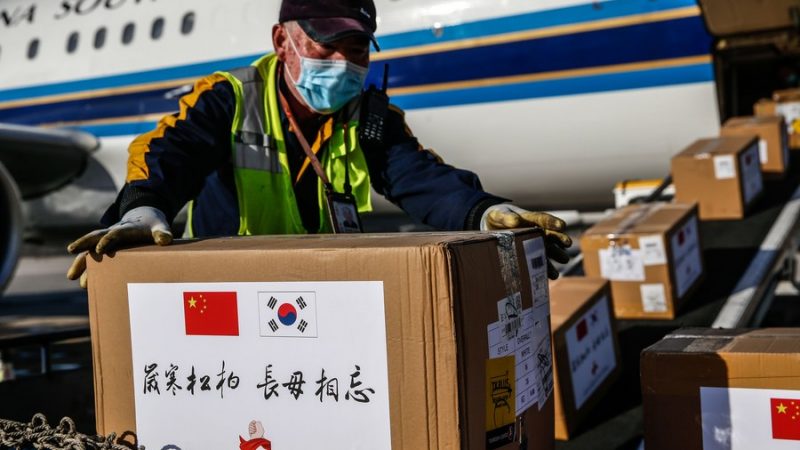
(785,418)
(211,313)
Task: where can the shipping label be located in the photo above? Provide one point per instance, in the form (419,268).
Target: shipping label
(751,175)
(500,390)
(621,263)
(724,167)
(687,263)
(265,360)
(734,418)
(652,247)
(509,311)
(590,348)
(536,259)
(526,348)
(654,298)
(544,368)
(763,151)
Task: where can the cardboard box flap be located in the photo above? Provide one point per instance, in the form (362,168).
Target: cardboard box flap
(706,148)
(649,218)
(571,293)
(736,17)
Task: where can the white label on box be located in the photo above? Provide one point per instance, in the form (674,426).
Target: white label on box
(652,247)
(740,418)
(654,298)
(525,347)
(751,175)
(790,112)
(687,263)
(203,372)
(543,358)
(763,151)
(509,311)
(590,348)
(536,260)
(724,167)
(621,263)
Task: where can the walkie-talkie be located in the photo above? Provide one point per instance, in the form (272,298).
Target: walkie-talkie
(374,111)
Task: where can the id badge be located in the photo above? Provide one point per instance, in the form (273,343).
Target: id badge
(344,213)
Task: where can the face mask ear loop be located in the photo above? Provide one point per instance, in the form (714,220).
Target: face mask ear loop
(299,56)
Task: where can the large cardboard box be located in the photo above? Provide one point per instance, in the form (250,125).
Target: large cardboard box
(585,348)
(402,341)
(722,175)
(773,144)
(651,254)
(722,389)
(784,103)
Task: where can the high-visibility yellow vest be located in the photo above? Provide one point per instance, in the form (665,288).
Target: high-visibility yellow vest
(264,185)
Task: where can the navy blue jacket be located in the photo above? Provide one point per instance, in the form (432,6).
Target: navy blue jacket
(188,157)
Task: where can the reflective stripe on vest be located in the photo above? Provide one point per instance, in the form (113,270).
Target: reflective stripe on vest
(267,204)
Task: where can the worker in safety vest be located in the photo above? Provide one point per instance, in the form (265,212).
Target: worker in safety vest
(291,145)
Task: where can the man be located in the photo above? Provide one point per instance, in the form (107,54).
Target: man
(262,150)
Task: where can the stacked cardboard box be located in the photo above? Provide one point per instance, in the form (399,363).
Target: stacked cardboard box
(723,175)
(773,145)
(373,341)
(585,348)
(651,254)
(785,103)
(722,389)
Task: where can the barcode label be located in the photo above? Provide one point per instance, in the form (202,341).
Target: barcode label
(512,326)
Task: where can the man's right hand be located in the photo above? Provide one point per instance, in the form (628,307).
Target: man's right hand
(142,225)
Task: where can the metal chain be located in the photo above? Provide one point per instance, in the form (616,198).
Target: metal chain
(39,435)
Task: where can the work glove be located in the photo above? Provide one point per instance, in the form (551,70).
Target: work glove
(506,216)
(142,225)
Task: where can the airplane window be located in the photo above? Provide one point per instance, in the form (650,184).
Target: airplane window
(188,23)
(33,49)
(100,38)
(127,33)
(72,42)
(158,28)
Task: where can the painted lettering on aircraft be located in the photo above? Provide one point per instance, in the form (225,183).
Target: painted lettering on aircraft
(18,15)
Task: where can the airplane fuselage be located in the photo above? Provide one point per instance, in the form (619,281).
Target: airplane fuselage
(550,101)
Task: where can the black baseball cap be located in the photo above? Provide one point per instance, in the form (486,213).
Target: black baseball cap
(327,21)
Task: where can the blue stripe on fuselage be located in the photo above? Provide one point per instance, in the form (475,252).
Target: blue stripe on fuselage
(669,76)
(638,43)
(139,103)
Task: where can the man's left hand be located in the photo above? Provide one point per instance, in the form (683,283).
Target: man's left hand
(506,216)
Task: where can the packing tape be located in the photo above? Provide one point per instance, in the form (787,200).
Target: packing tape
(509,267)
(634,219)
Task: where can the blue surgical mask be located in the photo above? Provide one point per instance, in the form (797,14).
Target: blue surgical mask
(327,85)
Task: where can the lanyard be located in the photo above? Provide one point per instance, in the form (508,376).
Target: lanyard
(298,132)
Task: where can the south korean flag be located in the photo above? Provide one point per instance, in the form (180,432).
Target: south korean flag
(287,314)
